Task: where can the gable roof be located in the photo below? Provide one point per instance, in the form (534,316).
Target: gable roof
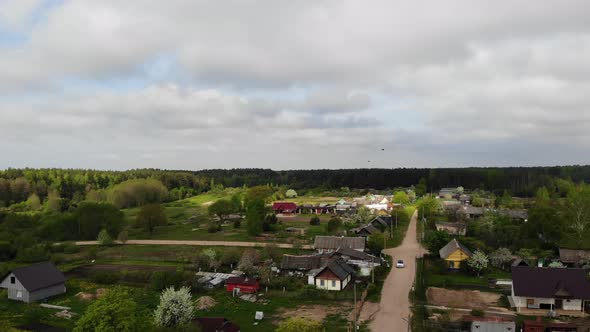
(382,220)
(307,262)
(284,206)
(242,281)
(38,276)
(358,255)
(574,256)
(216,324)
(547,282)
(335,242)
(339,268)
(451,247)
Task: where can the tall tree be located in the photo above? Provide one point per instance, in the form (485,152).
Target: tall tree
(222,209)
(255,213)
(150,216)
(92,217)
(115,311)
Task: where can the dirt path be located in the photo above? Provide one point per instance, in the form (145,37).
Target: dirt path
(395,305)
(200,243)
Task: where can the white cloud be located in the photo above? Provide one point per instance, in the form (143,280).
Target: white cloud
(15,13)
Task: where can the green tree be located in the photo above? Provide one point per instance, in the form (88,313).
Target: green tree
(376,242)
(315,220)
(104,239)
(500,257)
(334,224)
(577,212)
(115,311)
(222,208)
(401,197)
(544,220)
(53,201)
(435,240)
(255,213)
(175,308)
(93,216)
(33,202)
(428,206)
(258,193)
(363,216)
(421,187)
(150,216)
(296,324)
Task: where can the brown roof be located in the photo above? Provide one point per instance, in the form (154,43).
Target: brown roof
(307,262)
(339,268)
(574,256)
(335,242)
(357,255)
(546,282)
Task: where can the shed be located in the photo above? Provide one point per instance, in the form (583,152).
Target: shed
(245,284)
(487,326)
(34,282)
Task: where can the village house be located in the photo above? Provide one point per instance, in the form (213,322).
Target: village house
(448,193)
(566,291)
(365,231)
(454,253)
(34,282)
(244,284)
(471,212)
(365,262)
(515,214)
(326,244)
(454,228)
(216,324)
(284,207)
(574,257)
(303,263)
(335,276)
(539,325)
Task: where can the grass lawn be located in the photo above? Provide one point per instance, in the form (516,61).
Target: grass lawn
(436,275)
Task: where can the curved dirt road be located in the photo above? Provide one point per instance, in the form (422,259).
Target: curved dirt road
(199,243)
(395,304)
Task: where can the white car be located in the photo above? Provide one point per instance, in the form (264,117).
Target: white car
(400,264)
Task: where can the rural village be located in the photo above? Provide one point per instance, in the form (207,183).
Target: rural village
(260,258)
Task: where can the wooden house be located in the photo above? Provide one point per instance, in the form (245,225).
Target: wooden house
(335,276)
(34,282)
(454,253)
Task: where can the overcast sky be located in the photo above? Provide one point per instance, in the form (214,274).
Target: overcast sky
(174,84)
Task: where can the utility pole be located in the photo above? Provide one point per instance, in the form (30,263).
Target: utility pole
(355,326)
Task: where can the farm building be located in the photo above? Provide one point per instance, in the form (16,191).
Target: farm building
(326,244)
(34,282)
(244,284)
(284,207)
(454,253)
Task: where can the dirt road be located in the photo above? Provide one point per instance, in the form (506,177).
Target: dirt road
(200,243)
(395,305)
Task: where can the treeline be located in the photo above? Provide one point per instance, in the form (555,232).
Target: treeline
(519,181)
(72,185)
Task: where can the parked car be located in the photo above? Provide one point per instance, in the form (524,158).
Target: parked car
(400,264)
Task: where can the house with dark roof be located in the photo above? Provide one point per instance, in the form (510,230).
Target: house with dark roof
(335,276)
(303,262)
(454,253)
(327,244)
(216,324)
(34,282)
(365,230)
(382,222)
(363,261)
(552,289)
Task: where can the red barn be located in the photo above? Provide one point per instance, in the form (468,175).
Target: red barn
(284,207)
(245,284)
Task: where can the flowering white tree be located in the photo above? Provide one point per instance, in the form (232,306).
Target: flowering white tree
(500,257)
(478,261)
(291,193)
(175,308)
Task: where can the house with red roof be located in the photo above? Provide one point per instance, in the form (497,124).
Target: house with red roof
(244,284)
(284,207)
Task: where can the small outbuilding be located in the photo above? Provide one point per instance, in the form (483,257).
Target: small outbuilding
(244,284)
(34,282)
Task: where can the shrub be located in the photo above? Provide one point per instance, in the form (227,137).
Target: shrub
(477,313)
(315,220)
(71,248)
(160,280)
(105,277)
(214,228)
(237,223)
(123,237)
(104,239)
(57,258)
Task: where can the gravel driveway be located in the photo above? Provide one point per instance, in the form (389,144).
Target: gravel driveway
(395,304)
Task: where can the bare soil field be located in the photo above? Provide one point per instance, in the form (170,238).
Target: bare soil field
(467,299)
(315,312)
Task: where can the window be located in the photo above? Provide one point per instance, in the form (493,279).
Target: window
(19,294)
(13,280)
(530,301)
(321,283)
(333,283)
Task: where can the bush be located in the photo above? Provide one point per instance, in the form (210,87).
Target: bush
(160,280)
(214,228)
(92,253)
(315,220)
(104,239)
(57,258)
(105,277)
(32,255)
(237,223)
(477,313)
(71,248)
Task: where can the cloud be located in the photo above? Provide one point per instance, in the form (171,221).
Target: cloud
(323,82)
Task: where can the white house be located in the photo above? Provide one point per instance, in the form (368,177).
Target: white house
(335,276)
(550,289)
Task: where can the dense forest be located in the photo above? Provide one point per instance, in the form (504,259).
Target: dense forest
(69,186)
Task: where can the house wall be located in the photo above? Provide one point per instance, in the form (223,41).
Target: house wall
(16,291)
(521,302)
(572,305)
(47,292)
(456,258)
(328,284)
